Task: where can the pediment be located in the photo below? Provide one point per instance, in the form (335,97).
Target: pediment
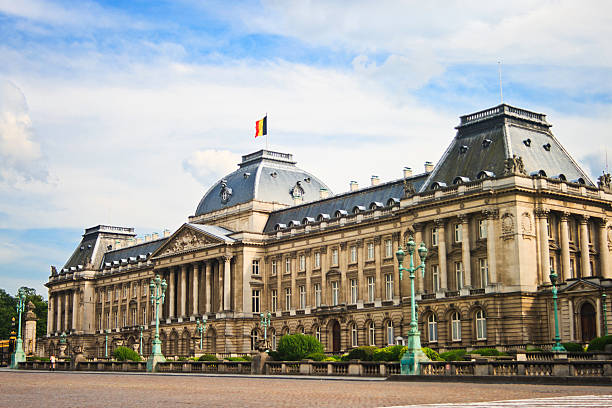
(187,239)
(581,286)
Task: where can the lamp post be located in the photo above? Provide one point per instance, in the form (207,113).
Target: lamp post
(201,328)
(141,330)
(265,323)
(19,356)
(106,342)
(605,313)
(158,294)
(414,355)
(557,347)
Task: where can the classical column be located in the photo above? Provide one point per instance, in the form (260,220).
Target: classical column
(343,265)
(397,284)
(418,238)
(196,288)
(542,217)
(75,308)
(295,296)
(280,268)
(380,279)
(491,240)
(604,251)
(183,294)
(440,223)
(309,297)
(50,314)
(227,283)
(565,252)
(220,291)
(465,250)
(570,308)
(324,268)
(585,265)
(66,309)
(362,288)
(58,303)
(207,272)
(171,293)
(598,317)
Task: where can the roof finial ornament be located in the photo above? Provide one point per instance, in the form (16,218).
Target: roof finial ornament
(605,181)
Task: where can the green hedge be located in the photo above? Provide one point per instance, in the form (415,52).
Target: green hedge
(208,357)
(431,354)
(453,355)
(488,352)
(125,353)
(599,343)
(295,347)
(363,353)
(573,347)
(316,356)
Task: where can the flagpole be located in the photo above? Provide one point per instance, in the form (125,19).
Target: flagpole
(267,131)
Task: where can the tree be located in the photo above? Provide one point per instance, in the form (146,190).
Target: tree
(40,308)
(8,310)
(8,306)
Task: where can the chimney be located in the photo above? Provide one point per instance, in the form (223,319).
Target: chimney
(407,172)
(375,180)
(429,167)
(354,186)
(131,241)
(323,192)
(138,240)
(155,236)
(147,237)
(118,244)
(166,233)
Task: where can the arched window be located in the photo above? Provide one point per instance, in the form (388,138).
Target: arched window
(455,326)
(481,325)
(372,334)
(353,335)
(273,339)
(254,339)
(300,330)
(390,333)
(318,333)
(432,328)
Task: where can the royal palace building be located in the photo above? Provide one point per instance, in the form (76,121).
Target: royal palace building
(504,206)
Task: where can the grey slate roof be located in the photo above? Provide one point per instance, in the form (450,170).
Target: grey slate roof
(214,231)
(83,253)
(486,139)
(264,176)
(376,195)
(133,251)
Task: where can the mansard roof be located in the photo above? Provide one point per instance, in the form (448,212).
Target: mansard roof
(485,140)
(91,248)
(134,251)
(345,203)
(264,176)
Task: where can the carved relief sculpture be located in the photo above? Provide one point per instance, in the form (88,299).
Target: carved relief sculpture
(514,165)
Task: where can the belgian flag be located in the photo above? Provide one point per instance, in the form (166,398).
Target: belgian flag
(261,127)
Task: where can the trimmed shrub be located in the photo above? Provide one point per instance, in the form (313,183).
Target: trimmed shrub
(382,354)
(397,352)
(573,347)
(236,359)
(247,358)
(453,355)
(316,356)
(332,358)
(488,352)
(533,349)
(599,343)
(125,353)
(294,347)
(363,353)
(431,354)
(208,357)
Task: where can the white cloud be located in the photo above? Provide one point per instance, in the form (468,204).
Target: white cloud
(208,165)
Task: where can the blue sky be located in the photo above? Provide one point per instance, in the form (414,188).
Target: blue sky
(124,113)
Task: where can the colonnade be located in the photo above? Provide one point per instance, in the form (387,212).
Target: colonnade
(60,308)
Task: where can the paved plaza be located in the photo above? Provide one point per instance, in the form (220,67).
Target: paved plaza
(71,389)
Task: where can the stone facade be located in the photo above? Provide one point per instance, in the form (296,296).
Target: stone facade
(326,265)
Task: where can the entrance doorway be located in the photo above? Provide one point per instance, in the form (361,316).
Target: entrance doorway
(587,321)
(335,336)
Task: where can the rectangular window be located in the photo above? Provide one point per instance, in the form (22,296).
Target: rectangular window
(482,228)
(456,328)
(124,318)
(255,301)
(108,321)
(353,254)
(459,274)
(255,267)
(287,298)
(549,228)
(302,263)
(125,291)
(134,321)
(144,316)
(589,233)
(388,248)
(109,294)
(117,293)
(317,291)
(353,291)
(353,335)
(570,231)
(134,289)
(572,268)
(302,297)
(274,300)
(370,251)
(483,265)
(371,288)
(435,278)
(335,293)
(334,259)
(552,264)
(317,260)
(274,267)
(389,286)
(99,325)
(287,265)
(458,232)
(434,236)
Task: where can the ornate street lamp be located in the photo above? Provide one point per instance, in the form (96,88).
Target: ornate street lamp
(414,355)
(141,330)
(19,356)
(201,328)
(605,313)
(265,323)
(158,294)
(557,347)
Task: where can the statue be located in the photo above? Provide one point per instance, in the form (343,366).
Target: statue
(605,181)
(514,165)
(408,188)
(53,271)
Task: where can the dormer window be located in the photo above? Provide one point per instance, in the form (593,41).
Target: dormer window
(527,142)
(376,205)
(438,185)
(246,175)
(546,147)
(358,208)
(308,220)
(486,143)
(463,149)
(461,180)
(538,173)
(485,174)
(279,227)
(392,202)
(323,217)
(579,180)
(340,213)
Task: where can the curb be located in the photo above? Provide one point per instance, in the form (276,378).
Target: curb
(509,379)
